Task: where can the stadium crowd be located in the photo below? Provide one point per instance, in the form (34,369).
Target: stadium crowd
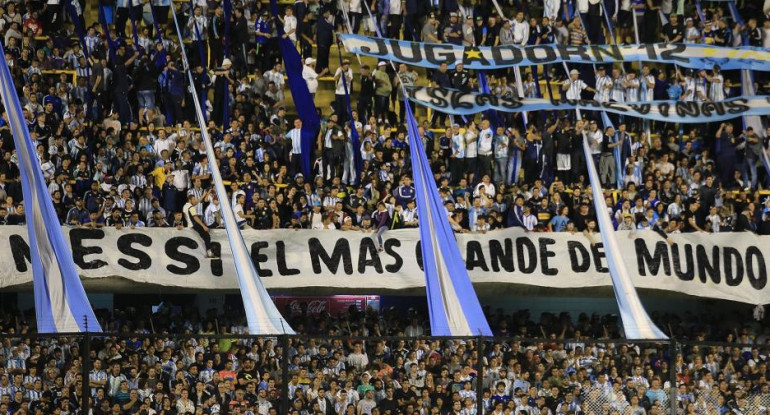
(119,146)
(344,365)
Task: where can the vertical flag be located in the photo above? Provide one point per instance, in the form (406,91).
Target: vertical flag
(453,305)
(636,322)
(452,302)
(61,305)
(303,101)
(261,314)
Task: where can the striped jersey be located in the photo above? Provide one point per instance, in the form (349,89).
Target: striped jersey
(602,92)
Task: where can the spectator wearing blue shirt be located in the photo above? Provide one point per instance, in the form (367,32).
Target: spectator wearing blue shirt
(559,222)
(405,192)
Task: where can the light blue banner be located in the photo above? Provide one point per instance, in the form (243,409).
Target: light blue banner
(459,103)
(61,305)
(428,55)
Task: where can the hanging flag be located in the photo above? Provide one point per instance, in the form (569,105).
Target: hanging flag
(636,322)
(303,101)
(452,303)
(61,305)
(261,314)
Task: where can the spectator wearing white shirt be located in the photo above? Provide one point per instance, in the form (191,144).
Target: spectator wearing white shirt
(310,76)
(603,85)
(632,87)
(529,221)
(520,30)
(551,9)
(290,25)
(213,214)
(485,150)
(275,75)
(574,86)
(617,93)
(342,88)
(646,84)
(716,85)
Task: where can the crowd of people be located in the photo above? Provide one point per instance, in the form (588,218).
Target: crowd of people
(120,146)
(345,365)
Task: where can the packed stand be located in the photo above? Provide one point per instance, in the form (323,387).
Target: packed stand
(346,365)
(120,146)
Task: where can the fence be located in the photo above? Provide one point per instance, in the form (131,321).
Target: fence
(604,376)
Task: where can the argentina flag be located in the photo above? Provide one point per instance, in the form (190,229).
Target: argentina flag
(636,322)
(61,305)
(262,316)
(452,303)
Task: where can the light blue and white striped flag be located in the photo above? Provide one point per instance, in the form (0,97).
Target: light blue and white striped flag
(262,316)
(452,303)
(636,322)
(61,305)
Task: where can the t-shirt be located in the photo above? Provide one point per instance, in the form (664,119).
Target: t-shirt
(340,89)
(311,78)
(559,223)
(395,7)
(429,30)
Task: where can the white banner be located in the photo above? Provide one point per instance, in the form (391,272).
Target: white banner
(430,55)
(456,102)
(730,266)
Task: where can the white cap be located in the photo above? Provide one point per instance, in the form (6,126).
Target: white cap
(227,62)
(381,63)
(309,61)
(574,72)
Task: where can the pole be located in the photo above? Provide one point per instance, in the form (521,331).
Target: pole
(85,352)
(480,377)
(285,374)
(673,350)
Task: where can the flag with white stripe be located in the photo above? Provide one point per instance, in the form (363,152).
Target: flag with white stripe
(452,302)
(61,305)
(262,316)
(636,322)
